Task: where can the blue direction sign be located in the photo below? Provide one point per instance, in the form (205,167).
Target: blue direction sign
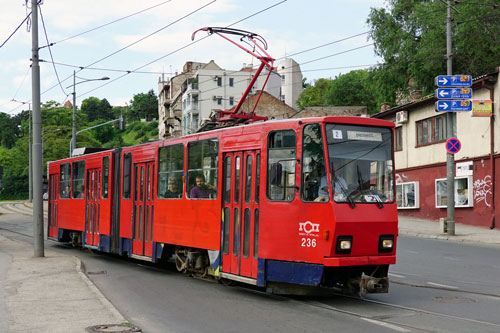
(463,105)
(453,81)
(453,145)
(453,93)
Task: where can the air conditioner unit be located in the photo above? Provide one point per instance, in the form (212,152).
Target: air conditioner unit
(401,117)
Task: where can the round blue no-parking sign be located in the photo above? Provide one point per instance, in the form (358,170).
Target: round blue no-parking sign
(453,145)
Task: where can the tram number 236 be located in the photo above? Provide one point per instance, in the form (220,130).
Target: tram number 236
(308,242)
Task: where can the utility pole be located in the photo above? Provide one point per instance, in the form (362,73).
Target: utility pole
(30,171)
(72,144)
(37,130)
(450,159)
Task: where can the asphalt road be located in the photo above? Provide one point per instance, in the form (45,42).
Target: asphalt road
(435,286)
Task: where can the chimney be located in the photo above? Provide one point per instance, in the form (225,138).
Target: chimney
(385,107)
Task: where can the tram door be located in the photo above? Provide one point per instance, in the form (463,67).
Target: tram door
(93,207)
(241,213)
(143,211)
(53,190)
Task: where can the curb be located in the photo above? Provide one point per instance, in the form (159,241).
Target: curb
(107,304)
(450,238)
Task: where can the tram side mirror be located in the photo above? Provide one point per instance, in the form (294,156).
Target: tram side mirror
(276,174)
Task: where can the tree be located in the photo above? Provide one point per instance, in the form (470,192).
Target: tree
(410,35)
(9,130)
(144,106)
(352,89)
(94,109)
(314,95)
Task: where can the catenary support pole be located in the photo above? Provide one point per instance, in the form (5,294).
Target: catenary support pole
(37,130)
(450,160)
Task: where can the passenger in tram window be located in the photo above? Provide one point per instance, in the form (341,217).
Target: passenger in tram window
(173,189)
(78,194)
(201,190)
(66,192)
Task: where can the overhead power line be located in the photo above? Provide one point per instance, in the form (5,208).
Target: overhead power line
(12,34)
(179,49)
(50,51)
(106,24)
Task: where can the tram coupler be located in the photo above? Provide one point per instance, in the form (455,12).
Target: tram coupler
(372,285)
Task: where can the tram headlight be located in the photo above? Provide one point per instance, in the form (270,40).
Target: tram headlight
(386,243)
(344,245)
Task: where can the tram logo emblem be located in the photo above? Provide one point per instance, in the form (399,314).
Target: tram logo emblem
(308,227)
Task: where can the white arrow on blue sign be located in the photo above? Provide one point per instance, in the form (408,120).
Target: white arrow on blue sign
(453,81)
(463,105)
(453,93)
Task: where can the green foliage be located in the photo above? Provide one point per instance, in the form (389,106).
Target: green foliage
(94,109)
(144,106)
(355,88)
(411,38)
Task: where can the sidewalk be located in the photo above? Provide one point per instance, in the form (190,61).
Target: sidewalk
(411,226)
(49,294)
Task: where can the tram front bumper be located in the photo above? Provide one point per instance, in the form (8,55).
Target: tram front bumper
(359,261)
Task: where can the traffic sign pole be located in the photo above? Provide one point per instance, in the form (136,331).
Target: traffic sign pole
(450,159)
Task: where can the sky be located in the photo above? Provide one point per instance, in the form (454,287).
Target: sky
(135,42)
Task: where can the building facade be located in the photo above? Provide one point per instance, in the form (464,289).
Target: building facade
(186,100)
(420,157)
(291,81)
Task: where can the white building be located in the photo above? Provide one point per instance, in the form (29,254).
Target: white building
(291,82)
(188,99)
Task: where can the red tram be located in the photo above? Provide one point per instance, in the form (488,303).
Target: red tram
(277,204)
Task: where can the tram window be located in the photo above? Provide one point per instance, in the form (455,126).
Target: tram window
(257,178)
(127,167)
(246,233)
(78,184)
(281,165)
(256,233)
(203,164)
(65,180)
(314,185)
(227,180)
(227,225)
(248,179)
(170,171)
(237,172)
(105,177)
(236,228)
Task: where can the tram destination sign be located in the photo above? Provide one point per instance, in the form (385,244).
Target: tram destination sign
(453,93)
(453,81)
(454,105)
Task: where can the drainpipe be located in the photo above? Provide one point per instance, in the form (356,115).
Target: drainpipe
(492,151)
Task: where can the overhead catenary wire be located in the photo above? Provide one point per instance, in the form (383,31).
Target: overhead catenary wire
(106,24)
(135,42)
(15,30)
(50,51)
(180,48)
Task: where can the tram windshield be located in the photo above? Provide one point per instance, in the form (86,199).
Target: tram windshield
(361,165)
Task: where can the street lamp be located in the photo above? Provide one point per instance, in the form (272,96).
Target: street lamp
(72,144)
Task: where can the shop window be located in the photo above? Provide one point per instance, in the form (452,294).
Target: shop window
(408,195)
(463,192)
